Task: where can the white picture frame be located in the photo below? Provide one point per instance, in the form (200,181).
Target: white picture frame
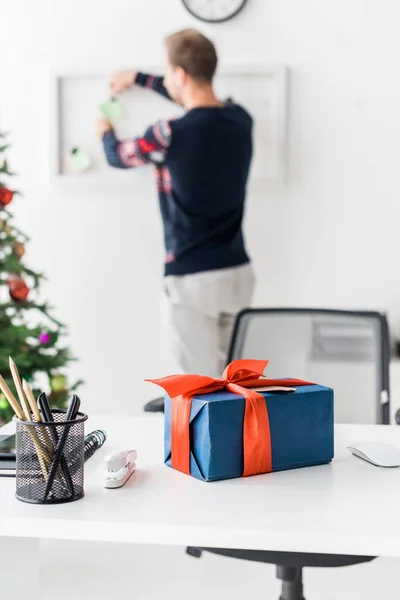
(60,79)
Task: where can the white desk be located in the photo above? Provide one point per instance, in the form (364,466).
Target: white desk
(348,507)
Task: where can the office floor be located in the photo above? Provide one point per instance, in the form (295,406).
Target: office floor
(100,571)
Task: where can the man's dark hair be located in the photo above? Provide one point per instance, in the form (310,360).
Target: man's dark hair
(195,53)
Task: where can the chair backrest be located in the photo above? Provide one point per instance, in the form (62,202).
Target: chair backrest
(345,350)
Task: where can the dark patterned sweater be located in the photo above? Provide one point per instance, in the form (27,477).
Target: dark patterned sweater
(202,163)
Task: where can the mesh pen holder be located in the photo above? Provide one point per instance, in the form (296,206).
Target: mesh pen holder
(50,461)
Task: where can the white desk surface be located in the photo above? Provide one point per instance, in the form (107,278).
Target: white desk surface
(348,507)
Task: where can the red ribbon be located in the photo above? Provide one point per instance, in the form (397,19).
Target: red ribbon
(239,377)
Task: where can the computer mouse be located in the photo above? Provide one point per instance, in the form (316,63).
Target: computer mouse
(380,455)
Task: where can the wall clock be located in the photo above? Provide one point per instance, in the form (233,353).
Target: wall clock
(214,11)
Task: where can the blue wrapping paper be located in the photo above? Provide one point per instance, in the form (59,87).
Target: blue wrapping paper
(301,428)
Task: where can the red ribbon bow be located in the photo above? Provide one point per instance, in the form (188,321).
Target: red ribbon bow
(238,377)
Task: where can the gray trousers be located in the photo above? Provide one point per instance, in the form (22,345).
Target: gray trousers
(200,314)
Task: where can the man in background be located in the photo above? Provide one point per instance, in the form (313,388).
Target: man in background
(202,163)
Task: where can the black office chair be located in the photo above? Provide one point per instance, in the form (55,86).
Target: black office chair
(155,406)
(346,350)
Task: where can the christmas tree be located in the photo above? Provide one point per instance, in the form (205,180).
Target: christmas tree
(28,331)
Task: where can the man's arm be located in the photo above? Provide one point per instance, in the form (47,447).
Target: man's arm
(152,147)
(152,82)
(123,81)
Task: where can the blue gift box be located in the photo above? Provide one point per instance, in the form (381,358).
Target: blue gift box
(301,430)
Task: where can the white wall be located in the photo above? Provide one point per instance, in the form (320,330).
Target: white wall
(328,238)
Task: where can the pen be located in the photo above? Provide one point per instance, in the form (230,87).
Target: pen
(59,442)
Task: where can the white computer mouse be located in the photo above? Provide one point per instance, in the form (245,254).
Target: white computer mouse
(380,455)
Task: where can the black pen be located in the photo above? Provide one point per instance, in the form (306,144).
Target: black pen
(45,409)
(71,414)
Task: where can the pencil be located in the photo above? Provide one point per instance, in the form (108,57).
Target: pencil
(41,454)
(20,391)
(35,410)
(13,402)
(31,400)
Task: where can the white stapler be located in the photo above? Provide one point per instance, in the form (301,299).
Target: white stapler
(120,465)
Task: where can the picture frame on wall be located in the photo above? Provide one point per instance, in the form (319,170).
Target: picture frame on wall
(76,98)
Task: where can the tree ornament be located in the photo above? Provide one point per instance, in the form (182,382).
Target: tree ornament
(8,229)
(6,196)
(18,249)
(18,289)
(44,338)
(3,402)
(58,383)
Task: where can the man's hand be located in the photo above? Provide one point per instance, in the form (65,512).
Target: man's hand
(102,127)
(121,82)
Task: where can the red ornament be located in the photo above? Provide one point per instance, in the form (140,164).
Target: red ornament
(18,289)
(6,196)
